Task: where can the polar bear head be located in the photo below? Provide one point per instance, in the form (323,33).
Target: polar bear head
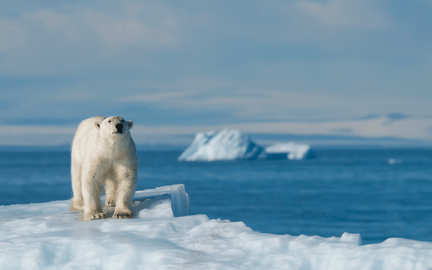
(113,126)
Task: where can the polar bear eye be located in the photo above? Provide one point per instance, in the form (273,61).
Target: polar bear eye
(109,121)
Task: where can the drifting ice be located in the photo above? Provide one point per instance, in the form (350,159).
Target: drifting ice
(46,236)
(394,161)
(291,150)
(232,144)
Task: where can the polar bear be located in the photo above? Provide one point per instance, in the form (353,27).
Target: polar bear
(103,153)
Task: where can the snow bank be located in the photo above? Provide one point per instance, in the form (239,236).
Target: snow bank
(46,236)
(291,150)
(222,145)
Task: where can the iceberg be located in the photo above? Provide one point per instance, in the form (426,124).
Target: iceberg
(222,145)
(47,236)
(232,144)
(290,151)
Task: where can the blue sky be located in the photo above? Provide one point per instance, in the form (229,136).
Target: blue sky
(190,64)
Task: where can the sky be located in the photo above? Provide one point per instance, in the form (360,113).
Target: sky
(315,68)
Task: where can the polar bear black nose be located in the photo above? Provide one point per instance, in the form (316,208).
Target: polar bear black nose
(119,128)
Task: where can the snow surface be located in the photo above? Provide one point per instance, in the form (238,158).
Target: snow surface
(291,149)
(232,144)
(46,236)
(223,145)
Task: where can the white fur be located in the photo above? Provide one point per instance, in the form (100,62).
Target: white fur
(102,157)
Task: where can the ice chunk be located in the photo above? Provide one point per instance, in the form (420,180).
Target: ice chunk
(222,145)
(351,238)
(176,194)
(289,150)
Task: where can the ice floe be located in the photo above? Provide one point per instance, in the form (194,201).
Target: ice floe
(47,236)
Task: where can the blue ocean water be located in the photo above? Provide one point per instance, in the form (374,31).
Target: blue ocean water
(356,191)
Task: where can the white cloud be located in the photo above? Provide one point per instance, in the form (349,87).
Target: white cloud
(41,41)
(12,34)
(50,19)
(132,8)
(410,128)
(346,14)
(156,97)
(118,32)
(36,130)
(110,50)
(241,100)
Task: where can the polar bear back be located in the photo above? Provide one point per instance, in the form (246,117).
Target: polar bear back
(85,138)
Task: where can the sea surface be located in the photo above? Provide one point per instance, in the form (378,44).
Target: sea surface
(379,193)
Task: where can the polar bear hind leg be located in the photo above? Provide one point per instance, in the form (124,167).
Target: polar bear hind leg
(91,188)
(77,200)
(110,190)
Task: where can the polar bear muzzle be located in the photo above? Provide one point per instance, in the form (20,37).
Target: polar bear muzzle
(119,128)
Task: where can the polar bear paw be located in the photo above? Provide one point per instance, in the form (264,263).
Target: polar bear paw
(122,214)
(110,203)
(98,216)
(95,216)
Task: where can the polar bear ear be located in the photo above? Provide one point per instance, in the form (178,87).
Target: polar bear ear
(130,123)
(98,123)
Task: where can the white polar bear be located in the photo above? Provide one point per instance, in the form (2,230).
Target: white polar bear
(103,153)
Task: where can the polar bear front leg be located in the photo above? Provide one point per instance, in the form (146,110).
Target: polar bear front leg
(126,181)
(91,187)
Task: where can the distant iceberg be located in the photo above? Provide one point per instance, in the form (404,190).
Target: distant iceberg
(290,151)
(222,145)
(394,161)
(232,144)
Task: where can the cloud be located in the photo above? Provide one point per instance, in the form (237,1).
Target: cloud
(259,104)
(407,129)
(12,34)
(412,128)
(41,41)
(163,63)
(345,14)
(342,25)
(156,97)
(120,32)
(242,101)
(51,20)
